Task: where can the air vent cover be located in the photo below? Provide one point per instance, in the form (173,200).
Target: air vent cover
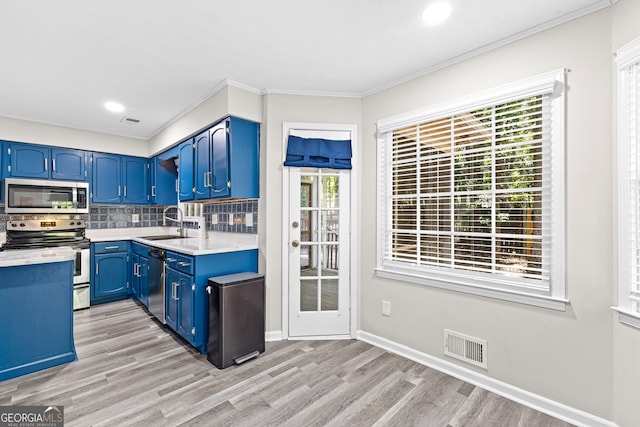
(463,347)
(130,121)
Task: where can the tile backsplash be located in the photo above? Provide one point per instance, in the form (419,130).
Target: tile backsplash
(236,216)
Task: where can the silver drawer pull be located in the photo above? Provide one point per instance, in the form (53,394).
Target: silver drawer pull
(111,247)
(171,259)
(184,264)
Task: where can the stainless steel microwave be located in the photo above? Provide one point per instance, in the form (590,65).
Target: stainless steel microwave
(43,196)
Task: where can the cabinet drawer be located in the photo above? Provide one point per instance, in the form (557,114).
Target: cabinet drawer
(185,264)
(140,249)
(172,260)
(109,247)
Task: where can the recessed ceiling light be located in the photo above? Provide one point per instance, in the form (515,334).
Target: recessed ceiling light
(436,13)
(115,107)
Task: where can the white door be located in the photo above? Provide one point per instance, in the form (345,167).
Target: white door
(319,249)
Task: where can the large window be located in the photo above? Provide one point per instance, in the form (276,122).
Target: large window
(470,194)
(628,59)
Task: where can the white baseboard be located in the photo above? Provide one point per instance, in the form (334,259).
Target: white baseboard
(534,401)
(273,336)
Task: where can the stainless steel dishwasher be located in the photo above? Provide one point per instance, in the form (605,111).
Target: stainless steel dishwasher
(157,258)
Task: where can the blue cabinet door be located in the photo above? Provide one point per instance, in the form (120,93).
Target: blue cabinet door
(110,275)
(135,180)
(202,175)
(3,169)
(106,180)
(143,272)
(185,306)
(164,177)
(244,157)
(29,161)
(171,289)
(135,278)
(67,164)
(185,171)
(220,184)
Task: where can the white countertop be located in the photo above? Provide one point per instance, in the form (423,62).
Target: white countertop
(217,242)
(36,256)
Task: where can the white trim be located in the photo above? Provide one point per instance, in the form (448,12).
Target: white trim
(627,317)
(311,93)
(544,83)
(474,289)
(273,336)
(628,54)
(524,397)
(321,338)
(625,57)
(354,284)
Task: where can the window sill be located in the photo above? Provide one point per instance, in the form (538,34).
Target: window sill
(628,317)
(501,294)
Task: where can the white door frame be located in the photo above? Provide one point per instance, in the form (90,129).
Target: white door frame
(287,127)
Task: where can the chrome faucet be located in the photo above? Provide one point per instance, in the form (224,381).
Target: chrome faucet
(179,221)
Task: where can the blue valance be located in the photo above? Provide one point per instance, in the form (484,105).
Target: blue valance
(318,153)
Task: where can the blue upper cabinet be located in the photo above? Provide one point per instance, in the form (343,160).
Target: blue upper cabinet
(34,161)
(226,161)
(202,172)
(219,177)
(106,184)
(119,179)
(3,168)
(29,161)
(135,178)
(164,177)
(185,171)
(68,164)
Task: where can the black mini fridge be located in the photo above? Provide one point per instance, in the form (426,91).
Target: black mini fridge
(236,318)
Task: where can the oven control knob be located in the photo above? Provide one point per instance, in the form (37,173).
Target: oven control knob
(72,223)
(13,224)
(22,224)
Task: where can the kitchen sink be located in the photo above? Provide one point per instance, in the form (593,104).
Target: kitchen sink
(163,237)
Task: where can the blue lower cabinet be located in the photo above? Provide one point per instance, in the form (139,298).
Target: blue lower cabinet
(186,280)
(109,272)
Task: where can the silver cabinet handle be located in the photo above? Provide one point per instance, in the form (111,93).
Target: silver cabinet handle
(125,191)
(184,264)
(53,165)
(204,179)
(118,191)
(174,290)
(96,268)
(171,259)
(111,247)
(45,164)
(153,191)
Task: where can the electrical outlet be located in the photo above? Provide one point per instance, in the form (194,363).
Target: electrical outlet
(214,219)
(386,308)
(248,220)
(135,218)
(230,219)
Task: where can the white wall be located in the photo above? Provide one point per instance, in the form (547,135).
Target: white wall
(276,110)
(39,133)
(564,356)
(228,100)
(626,340)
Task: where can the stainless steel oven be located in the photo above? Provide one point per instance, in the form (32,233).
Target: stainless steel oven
(52,232)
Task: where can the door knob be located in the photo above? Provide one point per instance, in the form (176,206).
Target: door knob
(295,243)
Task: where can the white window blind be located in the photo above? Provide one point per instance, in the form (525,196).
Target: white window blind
(466,194)
(628,59)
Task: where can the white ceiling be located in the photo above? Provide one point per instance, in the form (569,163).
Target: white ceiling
(61,60)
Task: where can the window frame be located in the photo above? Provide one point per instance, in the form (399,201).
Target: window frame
(627,56)
(553,296)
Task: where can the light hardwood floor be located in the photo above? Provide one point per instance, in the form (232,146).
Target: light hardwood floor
(133,371)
